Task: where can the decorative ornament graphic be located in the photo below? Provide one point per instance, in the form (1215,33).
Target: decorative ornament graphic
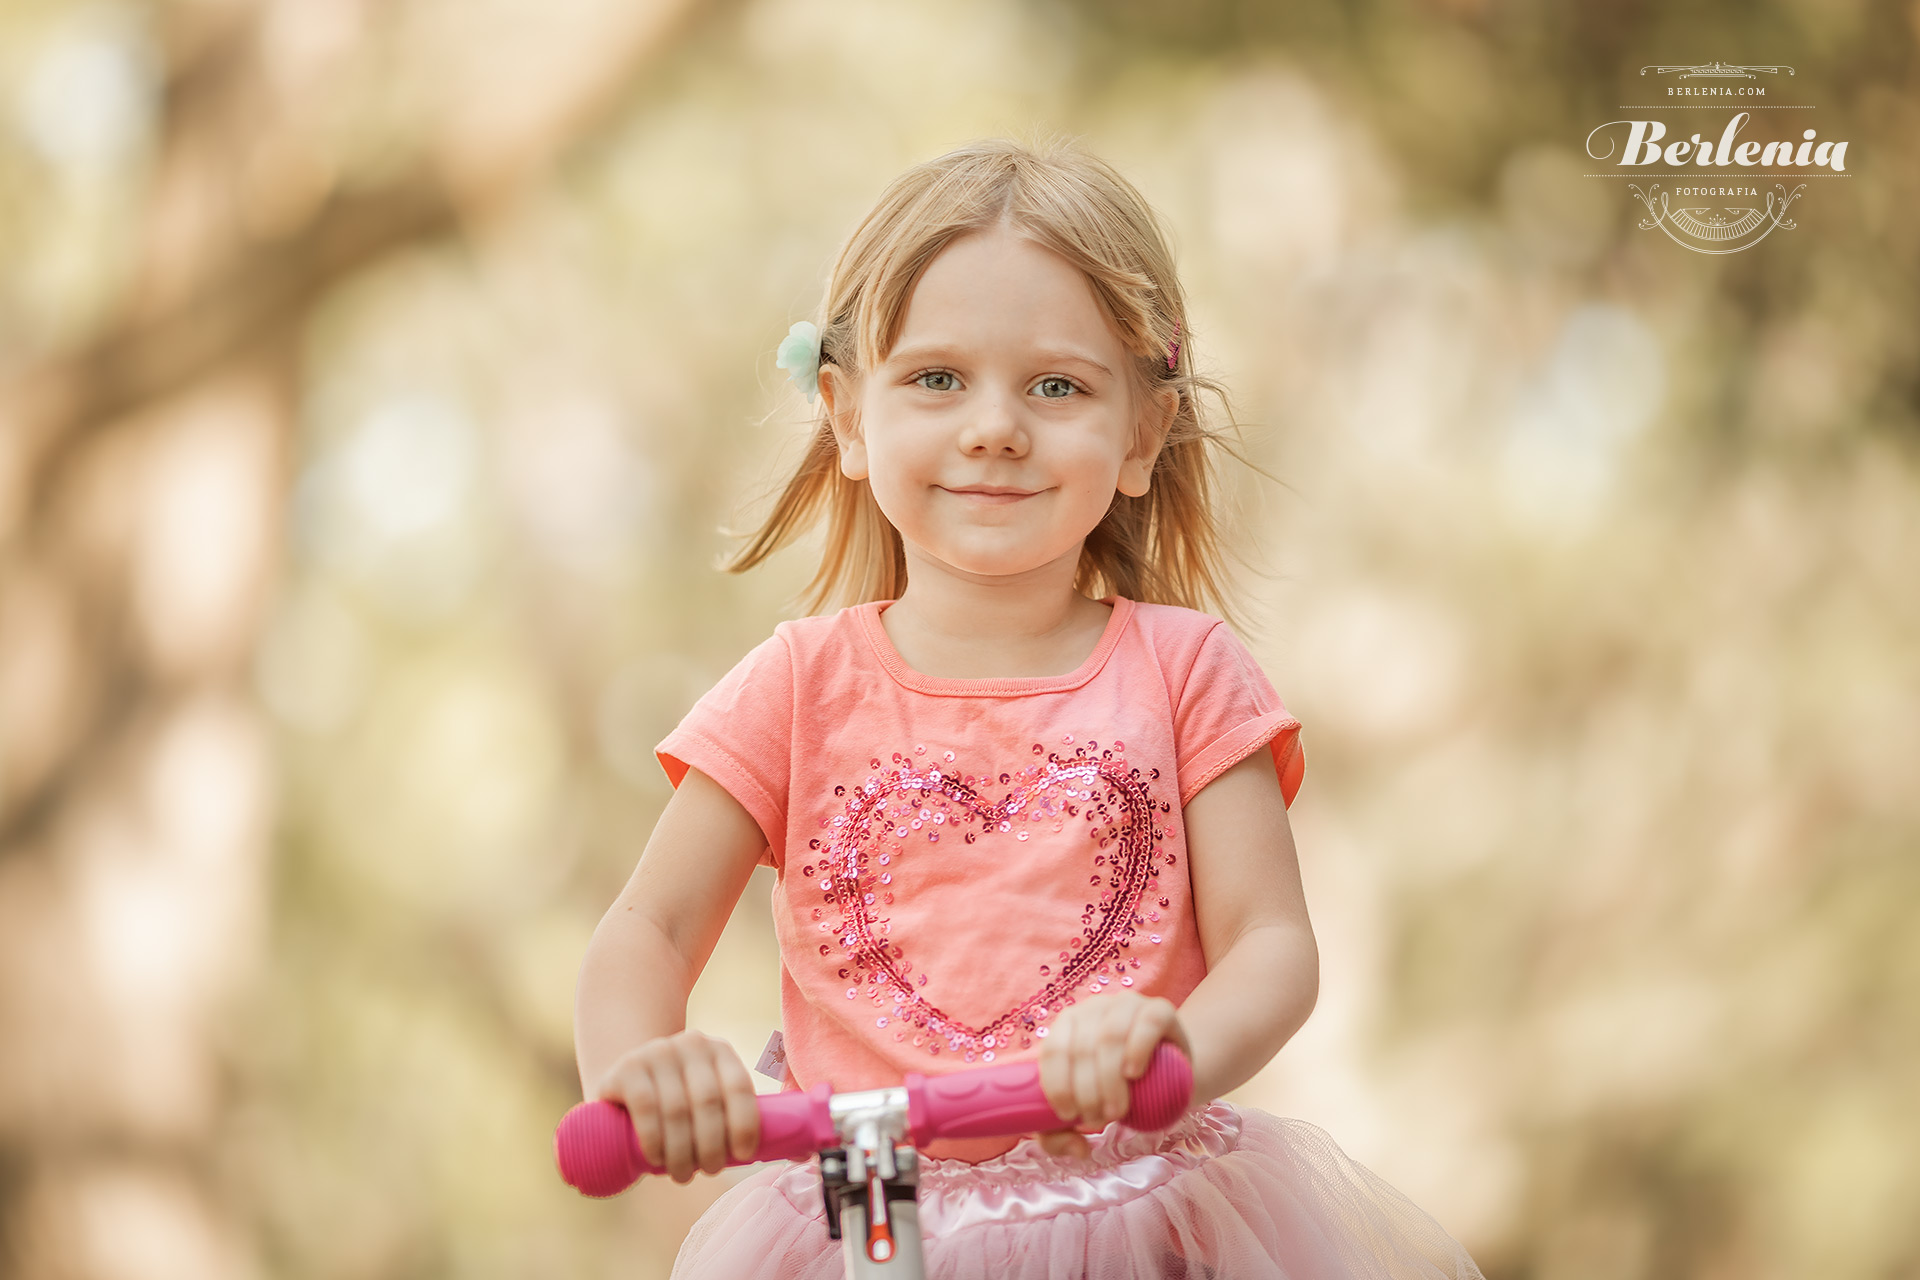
(1725,230)
(1719,70)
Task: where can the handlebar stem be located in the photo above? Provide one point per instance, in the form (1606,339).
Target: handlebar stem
(869,1122)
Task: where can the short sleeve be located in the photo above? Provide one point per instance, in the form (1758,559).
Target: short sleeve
(1227,710)
(740,734)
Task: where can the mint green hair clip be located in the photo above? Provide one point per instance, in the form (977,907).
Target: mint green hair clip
(799,355)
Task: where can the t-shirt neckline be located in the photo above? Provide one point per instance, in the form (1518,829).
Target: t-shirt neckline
(896,666)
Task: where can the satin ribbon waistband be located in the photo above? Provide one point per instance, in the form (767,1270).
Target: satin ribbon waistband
(1026,1182)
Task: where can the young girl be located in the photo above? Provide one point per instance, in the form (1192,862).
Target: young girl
(1053,793)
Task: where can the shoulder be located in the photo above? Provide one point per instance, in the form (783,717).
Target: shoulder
(1195,652)
(820,628)
(1176,635)
(1172,620)
(825,638)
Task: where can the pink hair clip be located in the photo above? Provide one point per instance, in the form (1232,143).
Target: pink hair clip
(1173,348)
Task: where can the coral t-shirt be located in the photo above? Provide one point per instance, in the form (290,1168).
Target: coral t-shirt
(957,860)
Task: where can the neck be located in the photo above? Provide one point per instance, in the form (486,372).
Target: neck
(941,601)
(951,623)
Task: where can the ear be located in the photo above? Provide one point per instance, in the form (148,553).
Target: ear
(1136,469)
(837,394)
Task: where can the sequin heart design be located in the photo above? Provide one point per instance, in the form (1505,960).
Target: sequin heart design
(884,818)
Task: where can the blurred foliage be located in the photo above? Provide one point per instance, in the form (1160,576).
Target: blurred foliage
(374,380)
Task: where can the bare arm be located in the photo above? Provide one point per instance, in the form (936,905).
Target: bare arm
(690,1097)
(1263,965)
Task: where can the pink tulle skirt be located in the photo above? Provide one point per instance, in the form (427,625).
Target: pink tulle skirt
(1227,1192)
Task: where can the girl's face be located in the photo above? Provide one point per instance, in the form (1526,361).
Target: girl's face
(998,429)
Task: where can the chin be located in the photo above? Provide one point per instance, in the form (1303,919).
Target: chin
(988,565)
(1002,553)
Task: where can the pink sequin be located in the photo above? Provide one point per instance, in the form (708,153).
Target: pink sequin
(1119,809)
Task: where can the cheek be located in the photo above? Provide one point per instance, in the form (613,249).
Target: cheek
(897,472)
(895,456)
(1092,470)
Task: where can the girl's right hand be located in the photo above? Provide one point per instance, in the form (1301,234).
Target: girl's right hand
(691,1100)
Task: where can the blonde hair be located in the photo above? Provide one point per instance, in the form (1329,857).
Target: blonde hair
(1166,546)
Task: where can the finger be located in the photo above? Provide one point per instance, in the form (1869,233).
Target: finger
(707,1109)
(743,1106)
(676,1120)
(634,1090)
(1177,1032)
(1064,1143)
(1154,1023)
(1110,1051)
(1086,1076)
(1056,1071)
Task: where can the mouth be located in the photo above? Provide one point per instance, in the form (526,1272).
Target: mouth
(991,495)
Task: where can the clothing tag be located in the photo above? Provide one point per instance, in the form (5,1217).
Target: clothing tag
(773,1059)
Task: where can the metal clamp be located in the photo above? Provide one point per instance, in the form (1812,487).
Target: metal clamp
(871,1182)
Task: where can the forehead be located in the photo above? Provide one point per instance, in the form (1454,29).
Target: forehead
(1000,291)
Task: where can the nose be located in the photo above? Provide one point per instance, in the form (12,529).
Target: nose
(994,428)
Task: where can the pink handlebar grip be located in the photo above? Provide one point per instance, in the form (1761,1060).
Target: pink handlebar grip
(598,1153)
(999,1101)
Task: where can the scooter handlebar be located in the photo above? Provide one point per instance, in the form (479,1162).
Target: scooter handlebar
(598,1152)
(996,1102)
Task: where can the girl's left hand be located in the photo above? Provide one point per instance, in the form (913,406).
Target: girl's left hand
(1097,1046)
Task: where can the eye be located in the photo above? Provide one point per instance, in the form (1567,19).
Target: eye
(1061,387)
(920,379)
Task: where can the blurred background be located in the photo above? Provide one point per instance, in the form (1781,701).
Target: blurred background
(376,377)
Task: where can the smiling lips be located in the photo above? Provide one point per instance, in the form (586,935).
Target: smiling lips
(991,495)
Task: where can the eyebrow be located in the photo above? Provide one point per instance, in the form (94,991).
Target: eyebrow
(1057,355)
